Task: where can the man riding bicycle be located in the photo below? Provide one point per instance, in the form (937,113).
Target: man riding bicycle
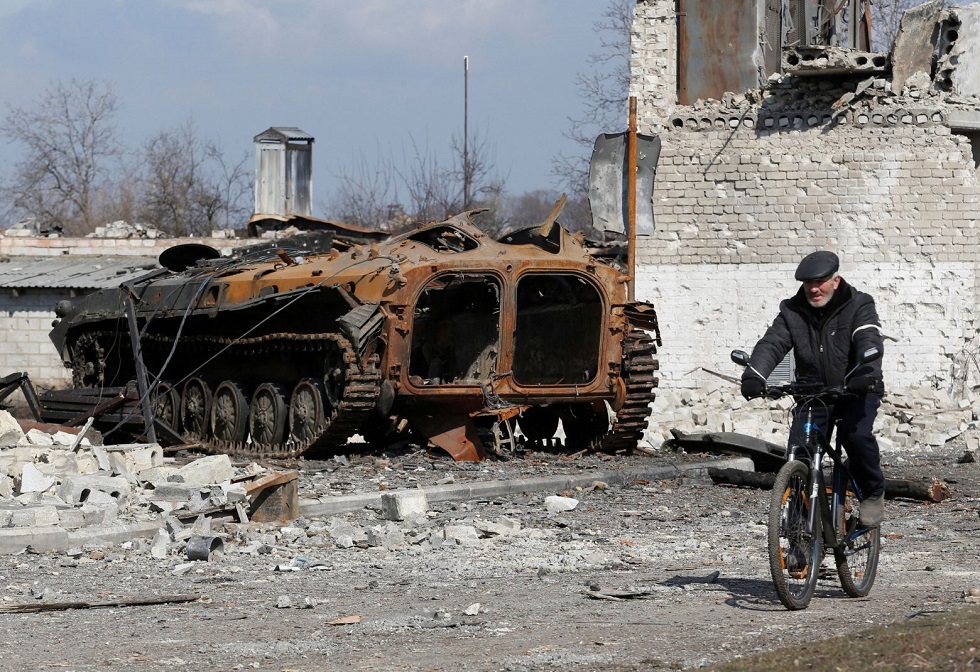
(827,323)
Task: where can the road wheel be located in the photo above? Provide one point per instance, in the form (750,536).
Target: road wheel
(195,409)
(267,415)
(229,413)
(306,417)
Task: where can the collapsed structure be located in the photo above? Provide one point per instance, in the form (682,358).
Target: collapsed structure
(789,144)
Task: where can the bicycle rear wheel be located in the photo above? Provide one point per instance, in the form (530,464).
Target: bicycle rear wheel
(856,554)
(794,553)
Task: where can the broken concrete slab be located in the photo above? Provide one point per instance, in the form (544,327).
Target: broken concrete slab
(959,46)
(915,42)
(128,460)
(205,471)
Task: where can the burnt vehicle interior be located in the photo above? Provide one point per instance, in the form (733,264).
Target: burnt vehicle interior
(553,344)
(456,330)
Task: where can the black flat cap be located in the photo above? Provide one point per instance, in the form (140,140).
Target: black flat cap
(817,265)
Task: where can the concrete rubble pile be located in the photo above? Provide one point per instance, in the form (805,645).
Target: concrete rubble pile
(55,485)
(918,419)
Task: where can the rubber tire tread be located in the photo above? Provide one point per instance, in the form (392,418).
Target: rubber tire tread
(850,587)
(793,474)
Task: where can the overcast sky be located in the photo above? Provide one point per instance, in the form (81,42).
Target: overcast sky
(361,76)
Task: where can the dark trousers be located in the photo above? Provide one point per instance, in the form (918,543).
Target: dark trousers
(855,418)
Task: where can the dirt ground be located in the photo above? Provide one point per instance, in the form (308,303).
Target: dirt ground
(496,584)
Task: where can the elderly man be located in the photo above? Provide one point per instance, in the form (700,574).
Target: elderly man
(827,323)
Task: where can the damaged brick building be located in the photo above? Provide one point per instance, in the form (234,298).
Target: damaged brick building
(773,147)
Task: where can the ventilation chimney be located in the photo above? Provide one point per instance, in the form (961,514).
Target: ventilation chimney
(283,172)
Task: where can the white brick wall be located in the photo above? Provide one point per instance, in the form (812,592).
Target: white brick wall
(25,321)
(886,184)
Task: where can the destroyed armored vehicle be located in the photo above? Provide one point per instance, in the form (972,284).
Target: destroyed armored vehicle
(442,333)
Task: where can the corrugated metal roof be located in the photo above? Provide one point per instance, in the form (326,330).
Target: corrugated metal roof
(283,134)
(72,272)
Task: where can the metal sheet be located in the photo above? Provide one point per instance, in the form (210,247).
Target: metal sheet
(72,272)
(718,48)
(608,187)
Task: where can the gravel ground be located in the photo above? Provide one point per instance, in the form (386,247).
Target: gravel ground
(485,585)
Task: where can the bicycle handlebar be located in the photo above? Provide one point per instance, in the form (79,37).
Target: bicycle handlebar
(828,393)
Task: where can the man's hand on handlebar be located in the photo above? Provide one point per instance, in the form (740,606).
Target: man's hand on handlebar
(753,387)
(859,384)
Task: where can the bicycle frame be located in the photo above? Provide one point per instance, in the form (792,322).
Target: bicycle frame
(818,446)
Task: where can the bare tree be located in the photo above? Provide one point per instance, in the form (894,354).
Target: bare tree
(366,194)
(233,183)
(188,186)
(70,145)
(604,90)
(416,188)
(886,17)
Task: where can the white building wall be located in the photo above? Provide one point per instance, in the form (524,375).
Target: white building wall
(738,201)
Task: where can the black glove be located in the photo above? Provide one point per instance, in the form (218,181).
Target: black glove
(753,386)
(859,384)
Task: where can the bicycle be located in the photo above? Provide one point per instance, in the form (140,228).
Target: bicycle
(799,531)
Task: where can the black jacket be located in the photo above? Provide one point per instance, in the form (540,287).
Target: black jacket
(825,340)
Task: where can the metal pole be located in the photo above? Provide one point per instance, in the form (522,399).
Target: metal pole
(466,134)
(141,381)
(631,199)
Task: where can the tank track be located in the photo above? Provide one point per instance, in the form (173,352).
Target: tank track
(639,374)
(360,392)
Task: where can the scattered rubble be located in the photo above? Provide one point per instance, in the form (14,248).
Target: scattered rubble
(922,419)
(53,485)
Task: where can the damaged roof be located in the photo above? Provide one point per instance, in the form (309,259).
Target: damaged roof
(72,272)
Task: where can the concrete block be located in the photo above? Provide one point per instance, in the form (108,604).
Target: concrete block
(10,432)
(388,536)
(38,438)
(68,439)
(6,487)
(71,519)
(87,462)
(206,471)
(99,515)
(58,463)
(33,480)
(461,535)
(158,475)
(129,459)
(83,488)
(401,504)
(35,516)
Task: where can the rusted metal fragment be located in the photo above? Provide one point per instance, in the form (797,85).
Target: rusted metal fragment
(274,497)
(915,42)
(718,45)
(454,434)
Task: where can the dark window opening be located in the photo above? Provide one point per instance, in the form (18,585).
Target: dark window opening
(456,331)
(559,330)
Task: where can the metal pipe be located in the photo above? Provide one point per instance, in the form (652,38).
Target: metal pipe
(631,199)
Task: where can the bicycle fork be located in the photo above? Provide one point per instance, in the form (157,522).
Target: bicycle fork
(817,491)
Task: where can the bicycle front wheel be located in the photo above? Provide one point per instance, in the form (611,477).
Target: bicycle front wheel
(794,553)
(856,553)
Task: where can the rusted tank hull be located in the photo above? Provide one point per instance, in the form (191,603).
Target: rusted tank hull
(442,331)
